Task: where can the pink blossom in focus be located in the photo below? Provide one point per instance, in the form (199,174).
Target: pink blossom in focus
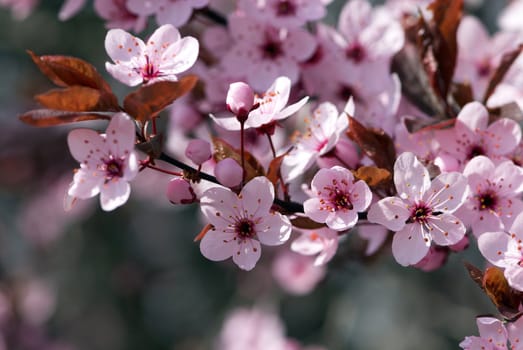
(322,242)
(505,250)
(494,196)
(241,222)
(492,336)
(515,333)
(297,274)
(117,15)
(165,55)
(107,162)
(337,198)
(174,12)
(472,136)
(422,211)
(272,107)
(262,52)
(240,100)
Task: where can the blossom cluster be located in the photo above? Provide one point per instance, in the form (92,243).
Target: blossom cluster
(310,135)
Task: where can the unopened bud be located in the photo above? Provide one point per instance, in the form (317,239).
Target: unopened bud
(240,99)
(228,172)
(179,191)
(198,151)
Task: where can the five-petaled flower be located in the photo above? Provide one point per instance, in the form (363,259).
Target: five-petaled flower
(240,222)
(107,162)
(337,199)
(164,55)
(422,212)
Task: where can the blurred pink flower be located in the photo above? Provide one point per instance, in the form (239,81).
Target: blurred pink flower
(322,242)
(297,274)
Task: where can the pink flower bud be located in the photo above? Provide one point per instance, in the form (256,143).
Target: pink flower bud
(228,172)
(461,245)
(179,191)
(198,151)
(240,99)
(435,258)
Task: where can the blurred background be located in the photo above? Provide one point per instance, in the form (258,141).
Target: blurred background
(134,279)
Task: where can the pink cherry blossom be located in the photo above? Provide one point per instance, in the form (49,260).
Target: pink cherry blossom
(297,274)
(422,211)
(472,136)
(322,242)
(337,198)
(323,133)
(493,336)
(164,55)
(180,191)
(240,100)
(241,222)
(494,197)
(107,162)
(262,52)
(174,12)
(506,251)
(272,107)
(515,333)
(284,13)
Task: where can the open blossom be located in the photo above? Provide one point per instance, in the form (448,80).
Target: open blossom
(422,211)
(493,200)
(506,251)
(272,107)
(165,55)
(337,199)
(472,136)
(107,162)
(241,222)
(175,12)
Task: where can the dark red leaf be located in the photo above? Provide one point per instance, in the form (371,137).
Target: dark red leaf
(273,172)
(506,62)
(373,176)
(306,223)
(78,99)
(69,71)
(50,117)
(149,100)
(376,144)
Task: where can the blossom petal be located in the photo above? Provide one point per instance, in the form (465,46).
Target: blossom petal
(342,220)
(493,246)
(502,136)
(217,204)
(410,177)
(361,196)
(446,229)
(390,212)
(85,184)
(514,275)
(120,135)
(257,197)
(122,46)
(114,194)
(447,192)
(472,118)
(313,208)
(86,146)
(410,245)
(217,245)
(180,56)
(274,229)
(247,254)
(124,73)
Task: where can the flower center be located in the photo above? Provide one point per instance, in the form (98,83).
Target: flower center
(113,168)
(271,49)
(487,201)
(420,214)
(341,200)
(355,52)
(244,228)
(476,151)
(285,8)
(148,71)
(483,69)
